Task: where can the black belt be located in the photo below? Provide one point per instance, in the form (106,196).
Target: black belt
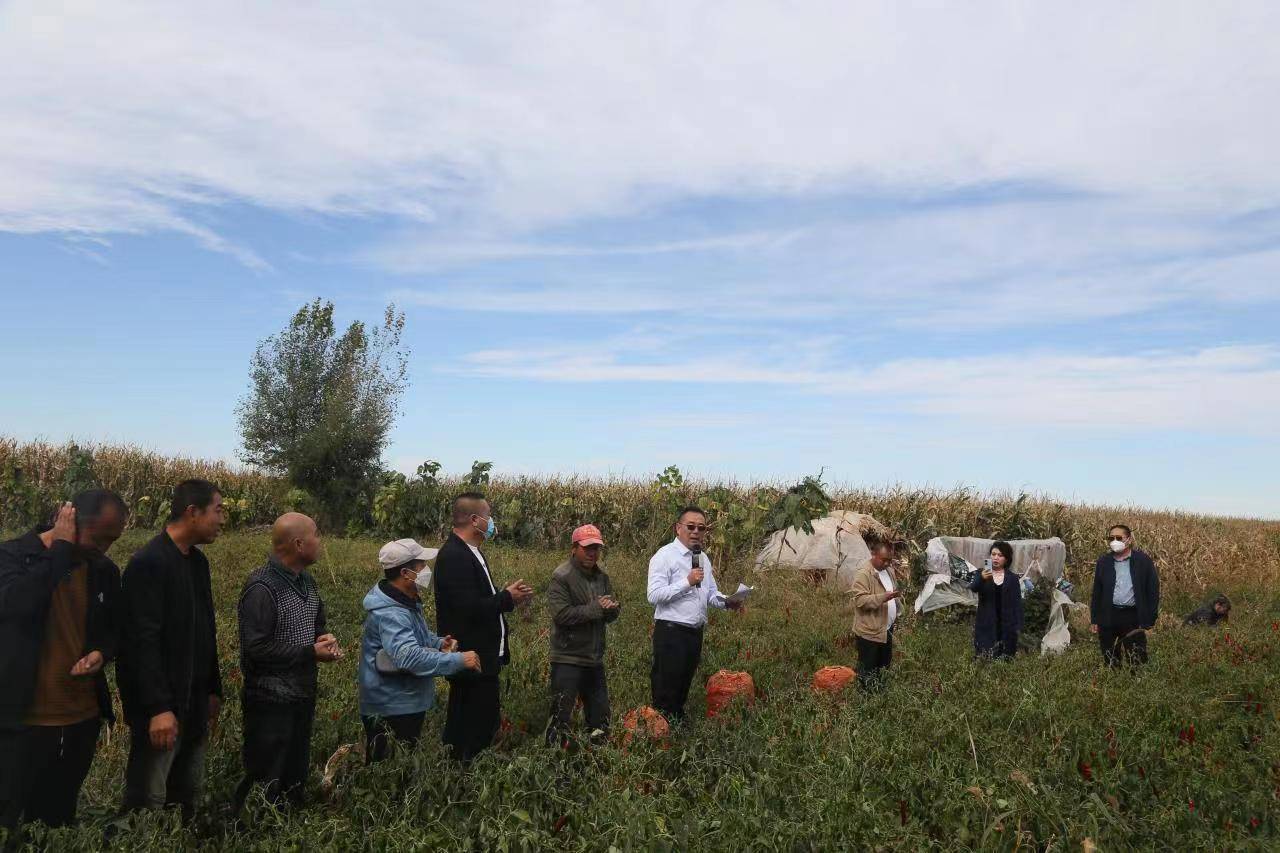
(679,625)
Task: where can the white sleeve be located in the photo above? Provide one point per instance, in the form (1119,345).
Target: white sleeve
(659,590)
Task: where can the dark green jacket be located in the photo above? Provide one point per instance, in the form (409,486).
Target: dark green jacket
(577,619)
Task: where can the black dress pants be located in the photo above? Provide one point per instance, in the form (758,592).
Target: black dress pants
(569,683)
(472,715)
(873,659)
(1118,640)
(41,771)
(382,733)
(277,750)
(677,651)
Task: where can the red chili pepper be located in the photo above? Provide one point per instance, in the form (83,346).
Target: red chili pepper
(1254,823)
(1191,805)
(1085,770)
(560,822)
(902,811)
(1142,773)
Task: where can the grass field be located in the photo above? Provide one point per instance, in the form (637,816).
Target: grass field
(1036,754)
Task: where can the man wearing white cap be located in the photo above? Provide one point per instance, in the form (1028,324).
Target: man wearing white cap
(581,602)
(399,653)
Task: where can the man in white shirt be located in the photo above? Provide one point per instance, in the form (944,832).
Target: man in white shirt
(681,586)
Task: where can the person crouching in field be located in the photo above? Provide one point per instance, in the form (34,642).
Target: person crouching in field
(580,598)
(399,653)
(875,601)
(170,685)
(58,594)
(999,619)
(282,637)
(1125,600)
(1217,609)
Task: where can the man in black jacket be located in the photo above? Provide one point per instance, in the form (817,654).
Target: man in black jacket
(58,592)
(282,635)
(1125,600)
(580,598)
(170,685)
(469,608)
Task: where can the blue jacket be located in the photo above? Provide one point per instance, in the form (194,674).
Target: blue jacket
(395,623)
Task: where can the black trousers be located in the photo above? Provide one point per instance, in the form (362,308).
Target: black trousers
(41,771)
(472,715)
(382,733)
(569,683)
(677,651)
(873,659)
(1117,642)
(277,750)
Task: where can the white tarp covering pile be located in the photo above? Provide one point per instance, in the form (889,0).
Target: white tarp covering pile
(950,560)
(832,553)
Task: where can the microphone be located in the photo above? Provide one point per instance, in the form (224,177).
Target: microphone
(697,561)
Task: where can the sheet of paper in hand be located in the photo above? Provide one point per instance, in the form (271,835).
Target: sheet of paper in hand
(742,593)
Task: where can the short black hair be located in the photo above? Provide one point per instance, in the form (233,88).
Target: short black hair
(1124,527)
(92,503)
(688,509)
(459,512)
(1006,549)
(875,543)
(194,492)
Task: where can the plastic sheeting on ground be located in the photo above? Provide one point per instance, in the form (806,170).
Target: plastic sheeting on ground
(1058,636)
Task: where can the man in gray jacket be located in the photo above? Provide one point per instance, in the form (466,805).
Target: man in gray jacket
(581,602)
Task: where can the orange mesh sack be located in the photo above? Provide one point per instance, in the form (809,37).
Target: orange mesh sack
(644,723)
(832,679)
(724,686)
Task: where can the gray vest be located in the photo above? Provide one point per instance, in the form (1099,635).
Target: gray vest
(296,615)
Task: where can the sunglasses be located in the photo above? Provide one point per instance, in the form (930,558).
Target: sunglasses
(700,528)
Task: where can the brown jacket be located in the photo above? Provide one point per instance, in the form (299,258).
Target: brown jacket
(871,605)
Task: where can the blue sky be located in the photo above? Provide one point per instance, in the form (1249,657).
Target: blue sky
(1004,247)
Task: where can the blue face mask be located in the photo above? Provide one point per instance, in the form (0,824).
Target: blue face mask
(491,530)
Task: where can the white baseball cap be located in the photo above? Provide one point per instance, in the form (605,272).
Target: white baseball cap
(403,551)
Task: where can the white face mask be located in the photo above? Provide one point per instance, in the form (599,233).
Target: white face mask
(423,581)
(1118,547)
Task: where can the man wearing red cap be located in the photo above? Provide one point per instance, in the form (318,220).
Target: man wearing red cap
(581,602)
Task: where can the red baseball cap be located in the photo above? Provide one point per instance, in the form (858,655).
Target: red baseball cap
(587,534)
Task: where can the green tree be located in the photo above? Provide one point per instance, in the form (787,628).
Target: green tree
(320,406)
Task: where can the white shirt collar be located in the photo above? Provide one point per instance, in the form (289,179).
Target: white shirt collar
(682,549)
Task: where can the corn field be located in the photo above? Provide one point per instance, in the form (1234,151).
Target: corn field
(1196,553)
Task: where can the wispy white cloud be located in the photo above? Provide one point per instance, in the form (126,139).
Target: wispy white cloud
(1224,389)
(124,117)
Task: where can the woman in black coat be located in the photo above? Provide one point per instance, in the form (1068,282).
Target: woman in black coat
(995,631)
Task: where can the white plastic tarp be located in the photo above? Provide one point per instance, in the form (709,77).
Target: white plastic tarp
(1058,636)
(1047,557)
(1031,557)
(834,550)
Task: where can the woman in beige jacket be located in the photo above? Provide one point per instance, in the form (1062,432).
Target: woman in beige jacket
(875,600)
